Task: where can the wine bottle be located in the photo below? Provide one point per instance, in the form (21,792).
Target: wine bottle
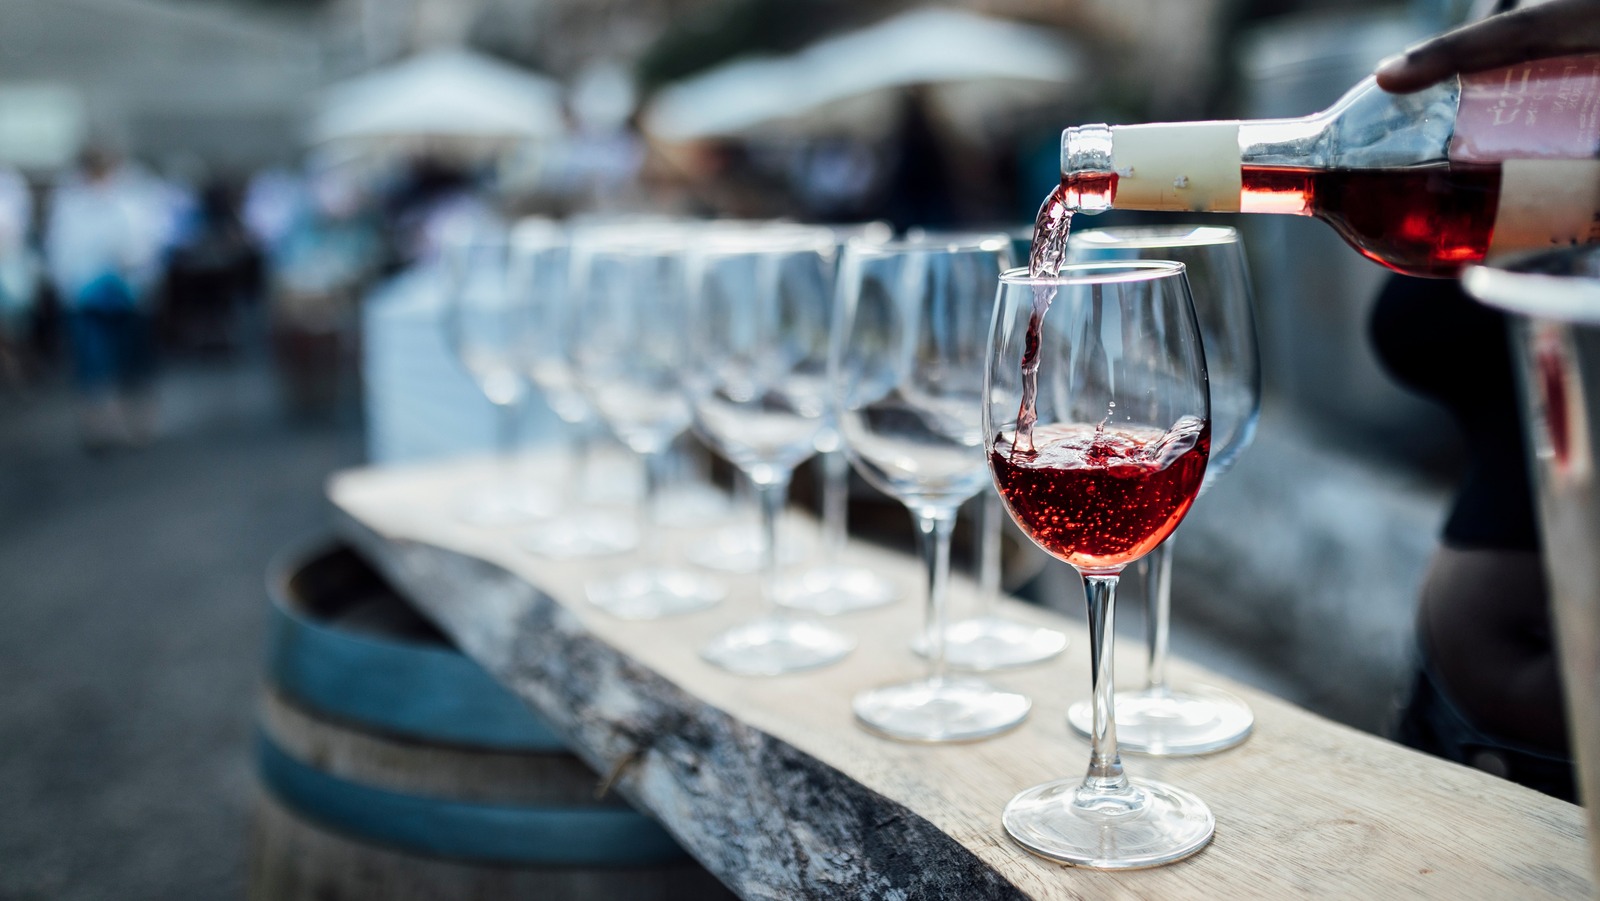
(1480,166)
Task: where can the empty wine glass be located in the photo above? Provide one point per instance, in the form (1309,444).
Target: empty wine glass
(986,640)
(832,586)
(1161,719)
(907,370)
(758,385)
(629,350)
(1096,422)
(541,274)
(484,319)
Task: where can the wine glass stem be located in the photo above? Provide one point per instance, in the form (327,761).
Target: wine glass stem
(505,431)
(772,486)
(746,500)
(989,553)
(935,526)
(835,505)
(577,448)
(655,477)
(1105,764)
(1158,615)
(505,440)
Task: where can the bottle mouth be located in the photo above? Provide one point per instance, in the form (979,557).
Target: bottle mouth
(1086,153)
(1086,148)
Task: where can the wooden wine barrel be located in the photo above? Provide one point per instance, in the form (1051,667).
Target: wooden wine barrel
(393,767)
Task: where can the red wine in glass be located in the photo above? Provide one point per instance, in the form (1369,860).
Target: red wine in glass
(1098,497)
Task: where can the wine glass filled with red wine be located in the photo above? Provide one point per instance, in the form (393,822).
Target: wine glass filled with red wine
(1097,423)
(1162,719)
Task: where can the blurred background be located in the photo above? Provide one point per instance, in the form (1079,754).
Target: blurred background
(272,176)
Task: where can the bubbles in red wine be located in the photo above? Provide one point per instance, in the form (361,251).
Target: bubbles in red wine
(1101,497)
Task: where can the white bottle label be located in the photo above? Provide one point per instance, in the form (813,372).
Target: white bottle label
(1545,204)
(1187,166)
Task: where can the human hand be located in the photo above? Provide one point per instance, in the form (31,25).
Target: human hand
(1555,28)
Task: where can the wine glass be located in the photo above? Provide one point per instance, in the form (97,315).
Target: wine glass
(1161,719)
(758,385)
(484,319)
(541,263)
(832,586)
(629,348)
(1097,425)
(988,641)
(907,369)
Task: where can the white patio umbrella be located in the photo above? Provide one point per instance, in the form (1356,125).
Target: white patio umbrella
(976,64)
(453,95)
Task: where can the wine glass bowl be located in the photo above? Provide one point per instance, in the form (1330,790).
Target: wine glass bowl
(1162,719)
(1096,421)
(907,369)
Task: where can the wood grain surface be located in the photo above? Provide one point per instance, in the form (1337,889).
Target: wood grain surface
(772,785)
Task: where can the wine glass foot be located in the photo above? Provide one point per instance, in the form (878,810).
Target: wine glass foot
(988,643)
(655,593)
(576,536)
(738,549)
(771,647)
(940,710)
(499,506)
(1150,824)
(832,590)
(1181,722)
(692,505)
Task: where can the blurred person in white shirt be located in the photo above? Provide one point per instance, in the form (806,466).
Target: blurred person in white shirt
(103,251)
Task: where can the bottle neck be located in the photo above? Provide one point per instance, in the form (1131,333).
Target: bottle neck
(1198,166)
(1189,166)
(1300,142)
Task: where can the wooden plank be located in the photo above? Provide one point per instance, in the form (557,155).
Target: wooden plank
(774,788)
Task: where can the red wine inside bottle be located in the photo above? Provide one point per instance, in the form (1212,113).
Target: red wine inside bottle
(1427,220)
(1424,220)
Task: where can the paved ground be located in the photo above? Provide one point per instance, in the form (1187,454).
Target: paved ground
(130,634)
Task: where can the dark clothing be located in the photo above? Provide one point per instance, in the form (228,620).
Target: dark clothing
(112,348)
(1432,723)
(1442,344)
(1488,692)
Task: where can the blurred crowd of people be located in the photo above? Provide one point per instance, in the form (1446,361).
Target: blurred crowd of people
(109,267)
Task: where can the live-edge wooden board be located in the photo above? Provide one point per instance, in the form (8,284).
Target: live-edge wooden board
(770,783)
